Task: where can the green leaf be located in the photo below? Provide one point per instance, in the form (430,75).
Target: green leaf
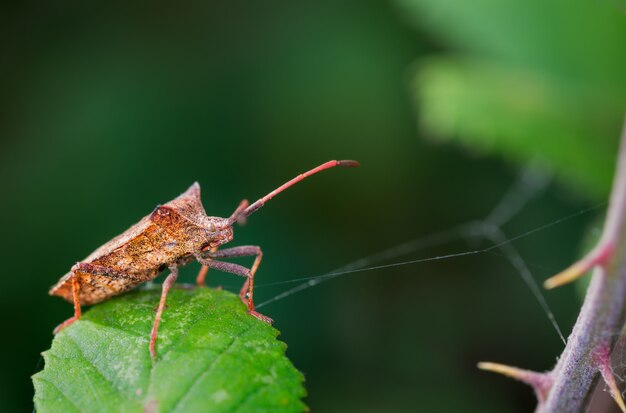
(529,79)
(495,108)
(212,356)
(579,41)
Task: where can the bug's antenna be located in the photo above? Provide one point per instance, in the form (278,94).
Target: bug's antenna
(260,202)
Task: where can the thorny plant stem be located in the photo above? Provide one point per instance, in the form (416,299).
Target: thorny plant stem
(602,315)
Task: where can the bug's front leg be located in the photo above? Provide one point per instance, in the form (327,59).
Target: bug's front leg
(247,291)
(167,284)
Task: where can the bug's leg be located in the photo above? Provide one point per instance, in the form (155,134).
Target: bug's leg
(167,284)
(203,270)
(201,276)
(77,311)
(81,273)
(247,290)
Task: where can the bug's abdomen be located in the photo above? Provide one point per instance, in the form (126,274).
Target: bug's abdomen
(145,253)
(139,260)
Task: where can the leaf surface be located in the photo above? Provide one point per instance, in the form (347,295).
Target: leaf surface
(495,108)
(212,356)
(529,80)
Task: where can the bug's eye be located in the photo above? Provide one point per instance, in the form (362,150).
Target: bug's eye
(211,227)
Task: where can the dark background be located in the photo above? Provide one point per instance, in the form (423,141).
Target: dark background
(109,109)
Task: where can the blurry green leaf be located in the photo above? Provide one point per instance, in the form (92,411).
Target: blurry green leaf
(538,79)
(212,357)
(576,40)
(505,110)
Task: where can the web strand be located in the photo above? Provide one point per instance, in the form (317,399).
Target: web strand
(315,280)
(467,231)
(469,234)
(511,253)
(529,184)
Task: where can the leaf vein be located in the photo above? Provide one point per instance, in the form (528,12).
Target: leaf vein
(92,363)
(238,406)
(199,378)
(65,396)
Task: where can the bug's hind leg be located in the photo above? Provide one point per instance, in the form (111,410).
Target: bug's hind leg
(247,291)
(167,284)
(77,310)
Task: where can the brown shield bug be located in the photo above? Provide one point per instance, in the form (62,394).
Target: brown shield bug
(173,235)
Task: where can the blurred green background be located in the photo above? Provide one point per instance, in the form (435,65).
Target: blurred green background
(108,109)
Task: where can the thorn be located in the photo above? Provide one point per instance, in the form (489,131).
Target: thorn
(609,379)
(603,360)
(567,276)
(598,256)
(540,382)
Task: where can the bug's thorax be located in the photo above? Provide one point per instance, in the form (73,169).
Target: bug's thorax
(192,235)
(186,222)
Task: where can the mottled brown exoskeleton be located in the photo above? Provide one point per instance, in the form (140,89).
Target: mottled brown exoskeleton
(173,235)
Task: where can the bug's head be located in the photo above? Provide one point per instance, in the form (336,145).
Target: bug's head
(218,231)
